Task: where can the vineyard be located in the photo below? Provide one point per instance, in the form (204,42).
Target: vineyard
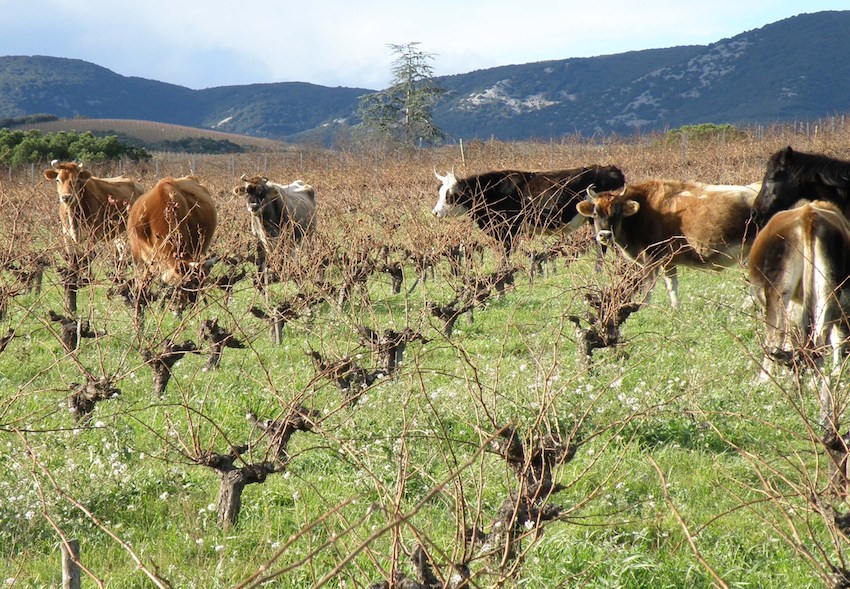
(399,409)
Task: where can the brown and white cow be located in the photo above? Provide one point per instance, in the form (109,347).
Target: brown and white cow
(278,212)
(171,226)
(799,267)
(664,223)
(91,208)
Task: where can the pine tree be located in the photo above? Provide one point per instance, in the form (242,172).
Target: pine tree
(403,112)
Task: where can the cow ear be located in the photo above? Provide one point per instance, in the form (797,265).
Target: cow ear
(51,174)
(239,191)
(585,208)
(84,175)
(630,207)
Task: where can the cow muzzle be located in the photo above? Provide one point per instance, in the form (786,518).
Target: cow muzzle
(605,237)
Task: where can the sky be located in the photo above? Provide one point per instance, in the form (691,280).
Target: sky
(208,43)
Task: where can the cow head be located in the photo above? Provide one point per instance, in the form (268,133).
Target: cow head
(607,210)
(70,180)
(256,192)
(447,202)
(779,189)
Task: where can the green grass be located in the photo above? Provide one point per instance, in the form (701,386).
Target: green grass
(682,393)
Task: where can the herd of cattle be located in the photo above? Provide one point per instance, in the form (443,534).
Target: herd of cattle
(170,228)
(799,256)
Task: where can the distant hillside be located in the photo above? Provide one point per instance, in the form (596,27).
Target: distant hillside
(71,88)
(150,134)
(795,69)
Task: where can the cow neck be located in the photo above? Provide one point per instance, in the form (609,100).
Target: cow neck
(85,205)
(272,210)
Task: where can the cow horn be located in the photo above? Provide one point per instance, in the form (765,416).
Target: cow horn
(54,164)
(591,193)
(244,178)
(447,177)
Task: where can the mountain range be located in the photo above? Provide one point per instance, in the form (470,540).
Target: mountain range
(794,69)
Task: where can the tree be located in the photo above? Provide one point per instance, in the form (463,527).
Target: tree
(402,112)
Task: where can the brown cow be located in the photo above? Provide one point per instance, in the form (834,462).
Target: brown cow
(171,227)
(664,223)
(799,268)
(91,208)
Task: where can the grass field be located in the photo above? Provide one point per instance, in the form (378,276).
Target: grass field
(671,464)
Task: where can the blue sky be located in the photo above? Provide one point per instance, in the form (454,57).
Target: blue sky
(201,44)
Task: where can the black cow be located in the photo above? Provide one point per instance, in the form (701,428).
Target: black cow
(501,202)
(793,175)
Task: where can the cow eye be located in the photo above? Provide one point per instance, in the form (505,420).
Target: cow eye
(779,176)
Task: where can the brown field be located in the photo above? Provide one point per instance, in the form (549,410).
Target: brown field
(153,132)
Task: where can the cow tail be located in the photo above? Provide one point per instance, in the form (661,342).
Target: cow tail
(810,299)
(813,282)
(173,213)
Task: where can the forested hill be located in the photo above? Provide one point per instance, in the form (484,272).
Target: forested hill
(794,69)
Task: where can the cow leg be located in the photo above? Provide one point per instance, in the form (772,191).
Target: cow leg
(646,282)
(833,330)
(651,272)
(776,315)
(120,253)
(671,281)
(830,331)
(507,239)
(263,279)
(600,256)
(140,297)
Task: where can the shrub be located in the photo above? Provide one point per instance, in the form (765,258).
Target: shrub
(24,147)
(703,132)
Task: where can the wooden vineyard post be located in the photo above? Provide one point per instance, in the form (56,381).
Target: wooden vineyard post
(70,568)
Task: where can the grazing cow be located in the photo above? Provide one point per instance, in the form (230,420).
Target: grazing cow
(799,267)
(793,175)
(664,223)
(171,226)
(89,207)
(502,201)
(278,211)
